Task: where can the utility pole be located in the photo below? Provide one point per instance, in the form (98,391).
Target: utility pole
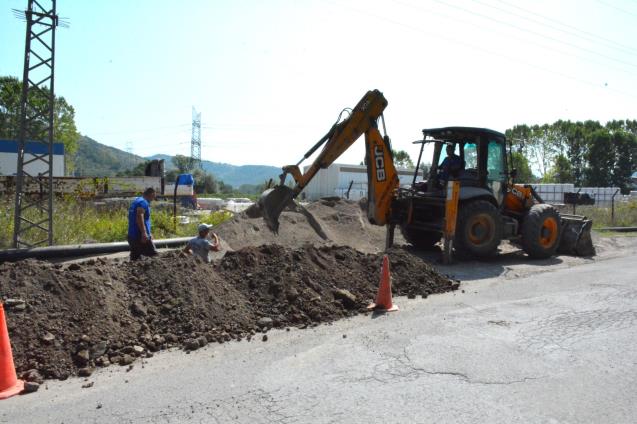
(33,219)
(195,141)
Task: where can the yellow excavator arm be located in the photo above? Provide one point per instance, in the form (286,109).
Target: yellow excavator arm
(382,177)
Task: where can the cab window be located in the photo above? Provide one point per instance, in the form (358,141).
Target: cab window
(443,153)
(471,156)
(495,161)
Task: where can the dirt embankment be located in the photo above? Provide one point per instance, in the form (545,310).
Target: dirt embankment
(324,264)
(74,317)
(340,222)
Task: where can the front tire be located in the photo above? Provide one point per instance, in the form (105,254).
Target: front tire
(479,229)
(541,230)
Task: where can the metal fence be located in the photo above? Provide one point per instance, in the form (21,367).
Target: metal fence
(554,193)
(550,193)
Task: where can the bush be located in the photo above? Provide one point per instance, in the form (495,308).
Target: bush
(76,221)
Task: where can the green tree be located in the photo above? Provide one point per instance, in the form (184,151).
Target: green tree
(625,145)
(521,165)
(600,158)
(252,188)
(182,163)
(64,129)
(545,143)
(137,171)
(561,172)
(575,134)
(205,183)
(225,188)
(425,168)
(402,159)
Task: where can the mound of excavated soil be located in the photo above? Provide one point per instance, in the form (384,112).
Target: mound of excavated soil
(332,221)
(68,319)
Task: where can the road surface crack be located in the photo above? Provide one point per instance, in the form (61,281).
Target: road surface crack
(408,362)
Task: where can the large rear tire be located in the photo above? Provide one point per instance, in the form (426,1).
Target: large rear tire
(479,229)
(420,239)
(541,230)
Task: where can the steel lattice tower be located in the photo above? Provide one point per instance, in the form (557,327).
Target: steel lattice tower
(33,220)
(195,141)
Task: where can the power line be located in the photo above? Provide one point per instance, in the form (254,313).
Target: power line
(150,136)
(539,34)
(612,6)
(584,37)
(587,33)
(481,48)
(543,46)
(141,130)
(245,125)
(181,144)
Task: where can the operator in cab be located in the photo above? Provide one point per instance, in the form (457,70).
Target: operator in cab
(451,166)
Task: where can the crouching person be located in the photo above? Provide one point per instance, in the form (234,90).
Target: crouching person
(201,245)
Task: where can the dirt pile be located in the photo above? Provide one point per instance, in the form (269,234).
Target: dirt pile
(339,221)
(69,319)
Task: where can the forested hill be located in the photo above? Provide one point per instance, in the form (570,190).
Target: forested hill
(98,160)
(95,159)
(235,175)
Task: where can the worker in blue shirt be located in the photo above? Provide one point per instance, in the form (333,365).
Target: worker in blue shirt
(451,165)
(139,238)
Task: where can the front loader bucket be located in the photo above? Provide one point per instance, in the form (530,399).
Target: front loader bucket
(576,236)
(272,202)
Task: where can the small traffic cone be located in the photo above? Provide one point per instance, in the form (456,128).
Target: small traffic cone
(9,383)
(383,298)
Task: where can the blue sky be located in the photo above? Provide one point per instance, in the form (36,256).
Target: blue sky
(269,78)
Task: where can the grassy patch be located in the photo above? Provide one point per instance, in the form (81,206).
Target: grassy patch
(625,214)
(226,196)
(615,234)
(76,221)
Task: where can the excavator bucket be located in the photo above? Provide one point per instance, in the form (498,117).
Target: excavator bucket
(272,202)
(576,236)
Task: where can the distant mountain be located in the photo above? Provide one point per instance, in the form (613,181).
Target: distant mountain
(235,175)
(98,160)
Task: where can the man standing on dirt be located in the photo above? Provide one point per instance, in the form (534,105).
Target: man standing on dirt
(200,245)
(139,238)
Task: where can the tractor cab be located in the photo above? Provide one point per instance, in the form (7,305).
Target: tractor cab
(489,208)
(474,156)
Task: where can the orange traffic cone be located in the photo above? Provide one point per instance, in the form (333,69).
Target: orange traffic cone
(383,298)
(9,383)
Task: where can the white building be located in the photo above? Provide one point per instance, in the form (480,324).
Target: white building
(335,181)
(9,158)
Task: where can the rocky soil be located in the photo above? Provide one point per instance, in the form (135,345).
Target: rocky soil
(67,319)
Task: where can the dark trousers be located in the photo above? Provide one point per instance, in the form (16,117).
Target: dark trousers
(137,248)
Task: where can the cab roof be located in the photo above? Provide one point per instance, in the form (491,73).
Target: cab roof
(458,133)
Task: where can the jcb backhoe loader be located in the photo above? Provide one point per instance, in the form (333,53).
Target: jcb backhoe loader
(490,207)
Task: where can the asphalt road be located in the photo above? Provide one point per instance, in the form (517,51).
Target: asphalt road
(549,347)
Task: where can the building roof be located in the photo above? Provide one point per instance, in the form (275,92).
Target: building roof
(31,147)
